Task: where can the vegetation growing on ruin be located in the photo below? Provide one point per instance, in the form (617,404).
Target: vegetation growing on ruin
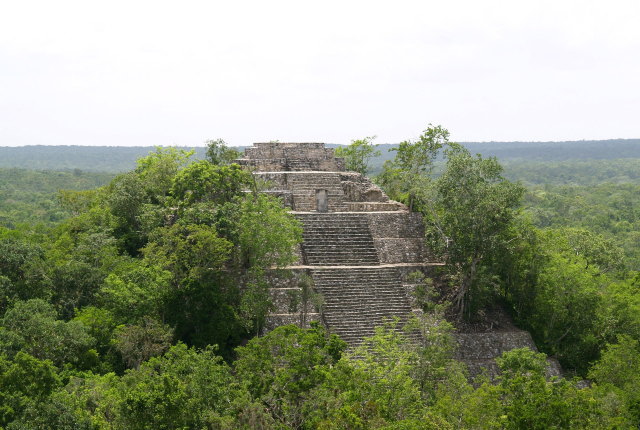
(137,305)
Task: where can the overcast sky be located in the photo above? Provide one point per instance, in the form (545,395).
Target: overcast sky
(180,72)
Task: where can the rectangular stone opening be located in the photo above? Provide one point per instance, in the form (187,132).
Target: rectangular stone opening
(322,204)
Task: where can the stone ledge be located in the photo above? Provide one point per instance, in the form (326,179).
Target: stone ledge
(370,266)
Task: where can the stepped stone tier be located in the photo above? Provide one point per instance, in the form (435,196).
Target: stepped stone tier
(479,348)
(358,246)
(358,250)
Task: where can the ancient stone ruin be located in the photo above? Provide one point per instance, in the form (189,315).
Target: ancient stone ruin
(358,251)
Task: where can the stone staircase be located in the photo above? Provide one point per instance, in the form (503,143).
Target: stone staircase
(337,239)
(358,299)
(358,252)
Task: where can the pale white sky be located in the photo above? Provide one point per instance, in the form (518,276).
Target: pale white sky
(161,73)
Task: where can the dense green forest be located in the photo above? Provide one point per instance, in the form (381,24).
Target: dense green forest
(31,196)
(132,301)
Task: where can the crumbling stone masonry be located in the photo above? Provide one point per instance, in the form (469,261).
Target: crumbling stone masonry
(358,246)
(358,249)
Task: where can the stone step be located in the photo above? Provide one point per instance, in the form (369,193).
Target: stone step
(341,262)
(358,300)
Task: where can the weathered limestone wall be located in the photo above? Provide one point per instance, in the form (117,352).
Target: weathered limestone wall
(300,188)
(292,303)
(346,191)
(359,188)
(398,237)
(480,349)
(396,224)
(283,156)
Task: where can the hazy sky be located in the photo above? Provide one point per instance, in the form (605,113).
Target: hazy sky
(180,72)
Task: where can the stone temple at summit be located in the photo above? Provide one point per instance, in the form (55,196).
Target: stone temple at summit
(358,254)
(358,246)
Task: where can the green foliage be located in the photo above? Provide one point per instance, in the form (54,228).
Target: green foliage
(409,173)
(24,381)
(101,325)
(434,355)
(612,211)
(468,219)
(382,372)
(469,209)
(200,300)
(184,388)
(218,153)
(562,313)
(57,412)
(387,382)
(77,160)
(571,300)
(135,290)
(530,401)
(619,367)
(261,244)
(157,170)
(22,271)
(188,252)
(32,327)
(358,154)
(281,368)
(74,285)
(29,196)
(574,171)
(524,398)
(178,251)
(619,311)
(202,181)
(137,343)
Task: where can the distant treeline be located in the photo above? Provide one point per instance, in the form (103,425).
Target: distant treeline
(538,152)
(122,158)
(113,159)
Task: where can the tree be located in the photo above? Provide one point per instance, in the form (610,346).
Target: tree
(468,209)
(280,369)
(270,242)
(593,249)
(157,170)
(619,367)
(135,290)
(206,182)
(468,215)
(409,173)
(379,385)
(188,252)
(139,342)
(533,402)
(258,246)
(32,327)
(184,388)
(74,284)
(358,154)
(218,153)
(22,272)
(201,301)
(101,324)
(24,381)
